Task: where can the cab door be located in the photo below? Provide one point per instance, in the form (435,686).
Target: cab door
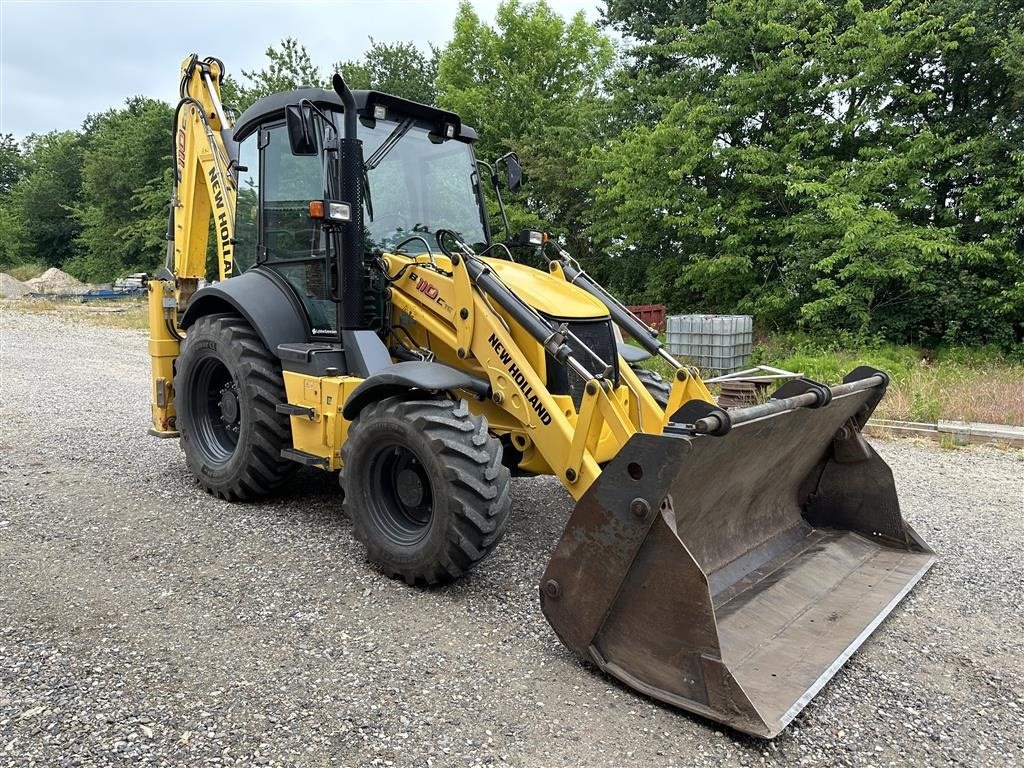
(290,242)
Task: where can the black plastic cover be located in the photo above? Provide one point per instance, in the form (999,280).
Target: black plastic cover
(402,377)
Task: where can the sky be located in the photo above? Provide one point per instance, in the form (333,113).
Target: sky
(61,61)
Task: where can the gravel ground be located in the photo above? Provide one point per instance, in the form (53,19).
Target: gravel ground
(143,622)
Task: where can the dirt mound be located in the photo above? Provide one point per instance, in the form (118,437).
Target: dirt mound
(55,281)
(11,288)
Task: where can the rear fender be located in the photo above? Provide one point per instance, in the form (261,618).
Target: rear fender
(264,300)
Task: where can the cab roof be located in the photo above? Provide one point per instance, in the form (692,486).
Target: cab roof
(272,107)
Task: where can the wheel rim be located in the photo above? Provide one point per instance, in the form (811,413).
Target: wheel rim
(217,410)
(401,502)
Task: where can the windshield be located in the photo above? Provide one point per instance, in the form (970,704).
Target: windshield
(419,187)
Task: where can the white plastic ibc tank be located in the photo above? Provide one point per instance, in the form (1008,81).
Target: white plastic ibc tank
(719,343)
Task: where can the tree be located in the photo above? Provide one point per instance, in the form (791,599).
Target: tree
(12,164)
(532,84)
(43,200)
(12,227)
(289,67)
(400,68)
(810,165)
(125,190)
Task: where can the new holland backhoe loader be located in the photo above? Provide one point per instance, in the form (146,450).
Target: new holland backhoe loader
(366,320)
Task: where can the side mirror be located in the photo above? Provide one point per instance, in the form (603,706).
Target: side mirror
(514,170)
(301,129)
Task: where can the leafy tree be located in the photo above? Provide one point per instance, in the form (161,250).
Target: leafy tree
(12,164)
(12,226)
(42,202)
(125,188)
(532,84)
(400,68)
(289,67)
(12,237)
(809,166)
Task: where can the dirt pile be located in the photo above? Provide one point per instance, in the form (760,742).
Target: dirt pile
(11,288)
(54,281)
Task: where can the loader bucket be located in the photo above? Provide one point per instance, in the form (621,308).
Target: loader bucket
(732,576)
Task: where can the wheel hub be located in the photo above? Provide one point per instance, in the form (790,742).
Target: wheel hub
(402,497)
(228,404)
(410,487)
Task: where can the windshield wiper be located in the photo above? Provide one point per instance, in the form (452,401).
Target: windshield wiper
(378,156)
(389,143)
(367,197)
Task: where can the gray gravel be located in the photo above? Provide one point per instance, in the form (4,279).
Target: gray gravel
(144,622)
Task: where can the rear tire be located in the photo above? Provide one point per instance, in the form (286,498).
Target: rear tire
(658,388)
(227,386)
(425,488)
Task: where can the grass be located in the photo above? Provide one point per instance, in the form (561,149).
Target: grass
(121,313)
(956,384)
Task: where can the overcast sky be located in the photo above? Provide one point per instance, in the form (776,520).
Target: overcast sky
(60,61)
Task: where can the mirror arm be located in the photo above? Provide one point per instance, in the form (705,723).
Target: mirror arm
(496,183)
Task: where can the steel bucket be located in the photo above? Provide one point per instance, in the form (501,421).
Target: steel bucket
(733,576)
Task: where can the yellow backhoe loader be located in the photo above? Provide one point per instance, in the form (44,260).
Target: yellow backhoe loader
(367,321)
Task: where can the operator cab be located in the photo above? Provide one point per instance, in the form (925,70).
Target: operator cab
(421,176)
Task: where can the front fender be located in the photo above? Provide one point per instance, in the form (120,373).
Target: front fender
(402,377)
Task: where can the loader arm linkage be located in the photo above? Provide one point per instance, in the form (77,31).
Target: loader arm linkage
(723,562)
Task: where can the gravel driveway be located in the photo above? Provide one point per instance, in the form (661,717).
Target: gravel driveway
(143,622)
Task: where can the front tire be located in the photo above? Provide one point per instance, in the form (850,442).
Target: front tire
(425,488)
(227,385)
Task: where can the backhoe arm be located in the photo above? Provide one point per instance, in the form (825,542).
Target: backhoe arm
(204,176)
(204,189)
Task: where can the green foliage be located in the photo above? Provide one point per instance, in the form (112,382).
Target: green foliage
(125,183)
(12,237)
(401,69)
(824,166)
(532,84)
(41,204)
(288,67)
(12,164)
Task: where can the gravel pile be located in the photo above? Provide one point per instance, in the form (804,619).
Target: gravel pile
(56,281)
(10,288)
(143,622)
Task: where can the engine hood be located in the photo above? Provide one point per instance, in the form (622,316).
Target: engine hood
(546,293)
